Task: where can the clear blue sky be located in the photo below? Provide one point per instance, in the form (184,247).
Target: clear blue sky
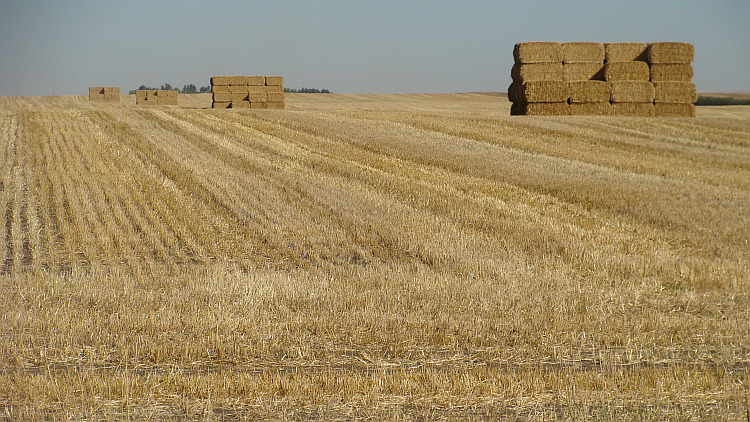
(377,46)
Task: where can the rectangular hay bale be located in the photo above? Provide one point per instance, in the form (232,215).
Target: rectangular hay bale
(259,105)
(625,52)
(539,92)
(275,97)
(221,104)
(255,97)
(675,92)
(537,52)
(238,80)
(240,104)
(590,91)
(583,71)
(238,89)
(222,97)
(674,110)
(670,52)
(275,80)
(676,72)
(537,72)
(220,89)
(220,80)
(276,105)
(633,109)
(627,71)
(239,97)
(583,52)
(591,109)
(632,92)
(255,80)
(540,109)
(273,89)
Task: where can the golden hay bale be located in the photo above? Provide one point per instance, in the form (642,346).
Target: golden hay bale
(96,90)
(275,97)
(259,105)
(222,97)
(583,71)
(627,71)
(674,110)
(537,72)
(151,92)
(632,92)
(273,89)
(540,109)
(240,104)
(676,72)
(625,51)
(220,88)
(256,97)
(221,104)
(239,97)
(256,80)
(141,93)
(590,91)
(583,52)
(276,105)
(238,80)
(238,89)
(670,52)
(674,92)
(220,80)
(591,109)
(539,92)
(537,52)
(633,109)
(256,89)
(275,80)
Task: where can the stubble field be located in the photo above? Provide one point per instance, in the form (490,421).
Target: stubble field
(371,256)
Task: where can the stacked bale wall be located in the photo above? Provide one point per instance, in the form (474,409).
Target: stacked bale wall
(587,78)
(259,92)
(104,93)
(155,97)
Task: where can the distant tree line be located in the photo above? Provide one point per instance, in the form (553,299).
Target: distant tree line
(304,90)
(186,89)
(721,101)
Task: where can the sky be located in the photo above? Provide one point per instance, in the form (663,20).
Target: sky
(61,47)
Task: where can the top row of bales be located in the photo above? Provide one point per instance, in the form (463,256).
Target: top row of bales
(636,79)
(587,52)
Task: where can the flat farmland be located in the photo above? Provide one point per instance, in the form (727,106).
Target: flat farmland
(383,257)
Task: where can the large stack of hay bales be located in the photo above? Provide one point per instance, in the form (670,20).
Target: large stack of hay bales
(261,92)
(155,97)
(104,93)
(587,78)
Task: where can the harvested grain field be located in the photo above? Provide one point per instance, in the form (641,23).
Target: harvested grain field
(371,257)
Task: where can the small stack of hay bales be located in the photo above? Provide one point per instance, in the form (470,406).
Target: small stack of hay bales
(671,74)
(155,97)
(104,93)
(260,92)
(538,87)
(587,78)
